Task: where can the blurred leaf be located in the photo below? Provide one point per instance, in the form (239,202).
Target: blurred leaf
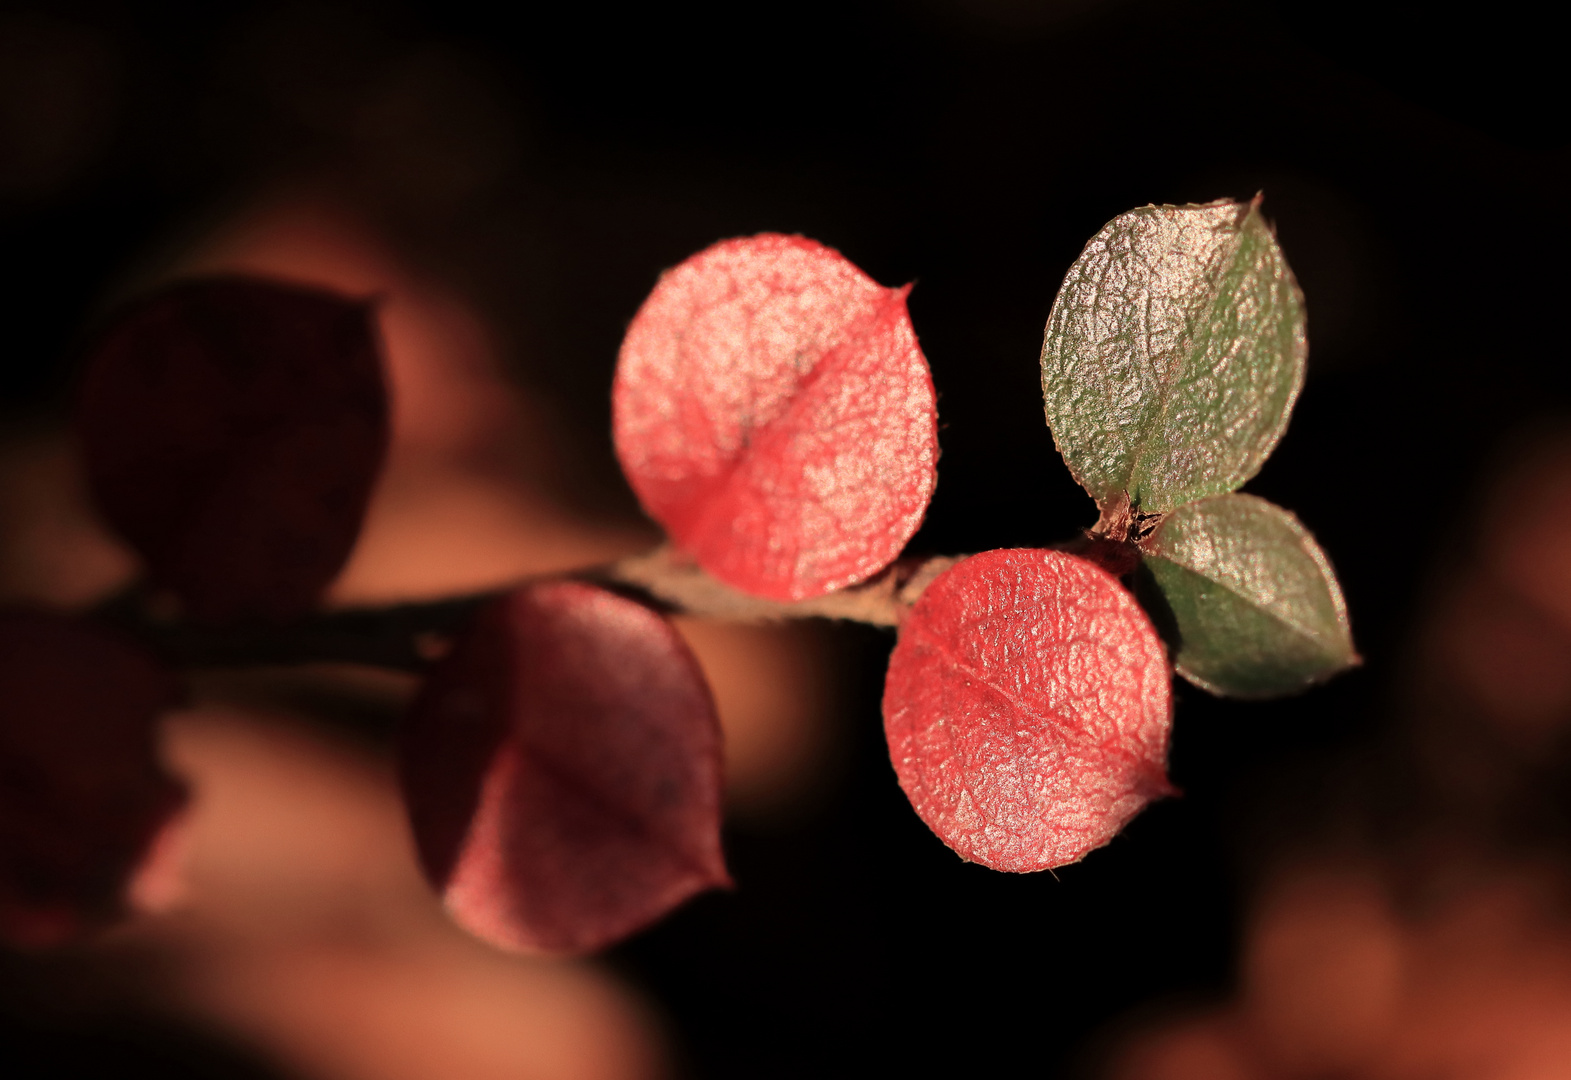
(562,771)
(83,793)
(1173,354)
(1257,608)
(233,429)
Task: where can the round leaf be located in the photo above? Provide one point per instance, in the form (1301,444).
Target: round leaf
(773,411)
(82,793)
(562,771)
(233,429)
(1173,355)
(1257,610)
(1028,707)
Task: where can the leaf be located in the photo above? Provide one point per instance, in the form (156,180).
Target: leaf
(82,793)
(562,771)
(1028,707)
(1257,609)
(774,413)
(1173,354)
(233,430)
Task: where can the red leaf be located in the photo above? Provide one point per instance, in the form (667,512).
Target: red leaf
(233,430)
(1027,706)
(773,411)
(562,770)
(82,794)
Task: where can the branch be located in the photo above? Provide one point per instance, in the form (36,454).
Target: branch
(670,577)
(405,637)
(409,637)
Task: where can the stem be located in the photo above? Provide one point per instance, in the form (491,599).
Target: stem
(405,637)
(409,637)
(668,576)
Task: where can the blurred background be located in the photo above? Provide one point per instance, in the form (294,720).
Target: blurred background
(1371,880)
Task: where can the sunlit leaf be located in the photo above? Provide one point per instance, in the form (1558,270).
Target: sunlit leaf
(773,411)
(1173,354)
(1028,706)
(562,771)
(1257,610)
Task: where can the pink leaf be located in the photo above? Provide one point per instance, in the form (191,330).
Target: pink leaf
(82,793)
(233,430)
(773,411)
(562,769)
(1028,706)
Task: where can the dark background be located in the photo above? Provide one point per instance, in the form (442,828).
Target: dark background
(550,163)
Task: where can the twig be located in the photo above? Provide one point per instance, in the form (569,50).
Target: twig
(409,637)
(667,575)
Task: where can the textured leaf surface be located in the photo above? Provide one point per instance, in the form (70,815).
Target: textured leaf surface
(1028,706)
(1257,608)
(773,411)
(1173,354)
(233,430)
(562,771)
(82,794)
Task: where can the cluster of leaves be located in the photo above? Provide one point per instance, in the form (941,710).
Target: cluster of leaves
(1173,356)
(774,412)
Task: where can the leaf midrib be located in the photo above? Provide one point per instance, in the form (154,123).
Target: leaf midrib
(1164,392)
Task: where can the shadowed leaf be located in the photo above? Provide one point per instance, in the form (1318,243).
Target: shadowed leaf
(233,429)
(1027,707)
(1173,354)
(1257,609)
(773,411)
(562,771)
(82,793)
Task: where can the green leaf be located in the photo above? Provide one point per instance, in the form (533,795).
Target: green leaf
(1257,610)
(1173,354)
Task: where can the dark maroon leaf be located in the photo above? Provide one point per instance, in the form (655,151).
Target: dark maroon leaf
(562,770)
(82,794)
(233,429)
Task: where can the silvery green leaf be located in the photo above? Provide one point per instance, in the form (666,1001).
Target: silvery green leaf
(1257,609)
(1173,354)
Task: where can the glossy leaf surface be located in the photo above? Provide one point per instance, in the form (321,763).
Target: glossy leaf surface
(774,413)
(1257,608)
(562,771)
(233,429)
(1173,354)
(1028,707)
(82,793)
